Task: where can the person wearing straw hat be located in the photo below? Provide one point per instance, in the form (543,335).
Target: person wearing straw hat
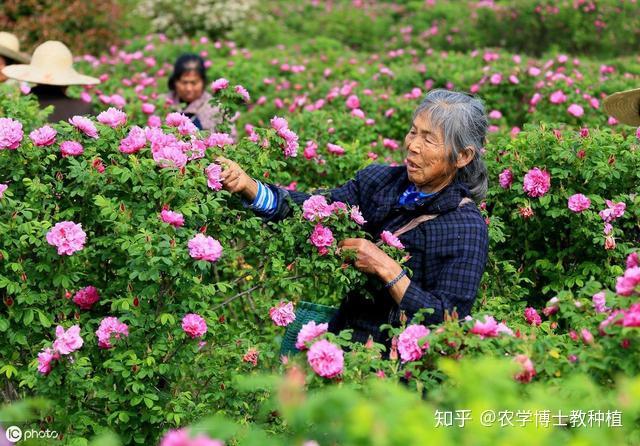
(10,52)
(51,68)
(624,106)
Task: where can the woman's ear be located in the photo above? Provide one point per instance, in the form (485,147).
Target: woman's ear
(465,156)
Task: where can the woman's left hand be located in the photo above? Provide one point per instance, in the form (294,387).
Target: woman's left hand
(368,257)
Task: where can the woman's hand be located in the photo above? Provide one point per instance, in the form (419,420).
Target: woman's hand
(368,257)
(235,180)
(372,260)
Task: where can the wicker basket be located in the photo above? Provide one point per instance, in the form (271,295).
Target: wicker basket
(305,312)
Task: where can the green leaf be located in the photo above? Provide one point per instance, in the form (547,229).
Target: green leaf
(8,370)
(44,320)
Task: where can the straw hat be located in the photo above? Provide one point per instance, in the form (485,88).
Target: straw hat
(51,64)
(10,47)
(624,106)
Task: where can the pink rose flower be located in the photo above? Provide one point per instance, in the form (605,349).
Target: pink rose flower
(67,341)
(632,259)
(309,332)
(10,133)
(575,110)
(279,124)
(112,117)
(578,203)
(110,327)
(3,187)
(242,92)
(187,128)
(335,149)
(352,102)
(154,121)
(290,148)
(67,236)
(505,179)
(532,316)
(45,359)
(202,247)
(176,119)
(321,238)
(316,208)
(600,302)
(281,127)
(390,144)
(557,97)
(282,314)
(537,97)
(219,84)
(587,337)
(326,359)
(170,156)
(536,182)
(181,437)
(148,109)
(213,172)
(310,150)
(44,136)
(134,141)
(85,125)
(86,297)
(495,114)
(356,215)
(632,317)
(173,218)
(408,342)
(194,325)
(528,370)
(219,140)
(391,240)
(490,328)
(613,211)
(627,283)
(71,148)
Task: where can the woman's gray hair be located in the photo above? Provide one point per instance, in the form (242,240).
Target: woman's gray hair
(464,124)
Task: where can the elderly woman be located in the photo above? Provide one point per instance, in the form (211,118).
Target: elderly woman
(187,84)
(442,175)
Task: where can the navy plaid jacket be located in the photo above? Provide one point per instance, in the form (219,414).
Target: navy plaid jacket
(448,254)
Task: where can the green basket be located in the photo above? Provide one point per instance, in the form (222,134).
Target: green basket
(305,312)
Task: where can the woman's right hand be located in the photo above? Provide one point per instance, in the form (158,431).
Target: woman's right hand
(235,180)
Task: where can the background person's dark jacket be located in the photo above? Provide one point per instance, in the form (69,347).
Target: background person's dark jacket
(448,254)
(64,107)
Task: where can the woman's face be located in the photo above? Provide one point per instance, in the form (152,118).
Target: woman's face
(189,87)
(427,161)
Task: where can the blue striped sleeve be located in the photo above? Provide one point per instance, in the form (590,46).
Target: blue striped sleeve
(265,201)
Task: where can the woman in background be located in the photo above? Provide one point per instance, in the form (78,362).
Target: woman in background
(188,95)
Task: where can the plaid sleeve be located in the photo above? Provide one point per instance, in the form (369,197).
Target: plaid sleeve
(457,284)
(348,193)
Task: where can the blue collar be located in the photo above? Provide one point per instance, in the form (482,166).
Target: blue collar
(412,197)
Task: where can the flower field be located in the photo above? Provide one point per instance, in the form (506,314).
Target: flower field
(144,304)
